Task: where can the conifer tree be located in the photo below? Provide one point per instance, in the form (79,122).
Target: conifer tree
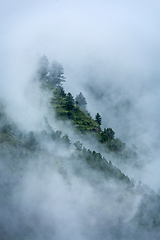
(81,101)
(98,119)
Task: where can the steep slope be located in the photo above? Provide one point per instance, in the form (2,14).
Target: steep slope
(55,188)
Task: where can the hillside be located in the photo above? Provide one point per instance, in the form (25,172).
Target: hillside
(68,108)
(52,186)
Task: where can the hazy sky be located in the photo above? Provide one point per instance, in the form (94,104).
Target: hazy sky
(118,34)
(98,42)
(112,45)
(115,38)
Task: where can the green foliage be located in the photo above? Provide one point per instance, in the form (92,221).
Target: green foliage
(83,122)
(69,103)
(65,108)
(99,163)
(104,136)
(110,133)
(81,101)
(98,119)
(115,145)
(61,92)
(16,148)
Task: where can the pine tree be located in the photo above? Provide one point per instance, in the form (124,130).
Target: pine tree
(81,101)
(98,119)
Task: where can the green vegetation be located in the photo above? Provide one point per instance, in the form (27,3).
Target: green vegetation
(99,163)
(68,108)
(81,101)
(98,119)
(65,108)
(33,143)
(41,149)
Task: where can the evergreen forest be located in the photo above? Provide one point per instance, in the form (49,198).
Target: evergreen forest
(60,181)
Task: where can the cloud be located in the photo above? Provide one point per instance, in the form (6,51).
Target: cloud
(113,46)
(110,52)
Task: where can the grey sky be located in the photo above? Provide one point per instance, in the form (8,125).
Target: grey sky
(120,37)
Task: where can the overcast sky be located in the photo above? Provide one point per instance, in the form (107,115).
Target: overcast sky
(116,38)
(116,33)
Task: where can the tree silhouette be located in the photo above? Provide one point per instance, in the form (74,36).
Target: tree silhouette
(98,119)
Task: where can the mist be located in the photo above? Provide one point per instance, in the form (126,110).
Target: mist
(110,52)
(112,46)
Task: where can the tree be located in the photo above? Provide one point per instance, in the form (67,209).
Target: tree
(62,92)
(81,101)
(56,73)
(78,145)
(66,141)
(98,119)
(110,133)
(69,102)
(53,74)
(104,136)
(43,68)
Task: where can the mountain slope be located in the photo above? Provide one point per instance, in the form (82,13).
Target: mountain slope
(55,188)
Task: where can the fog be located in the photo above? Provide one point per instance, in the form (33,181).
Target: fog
(112,47)
(107,44)
(110,52)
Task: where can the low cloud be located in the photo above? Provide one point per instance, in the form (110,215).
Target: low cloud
(110,52)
